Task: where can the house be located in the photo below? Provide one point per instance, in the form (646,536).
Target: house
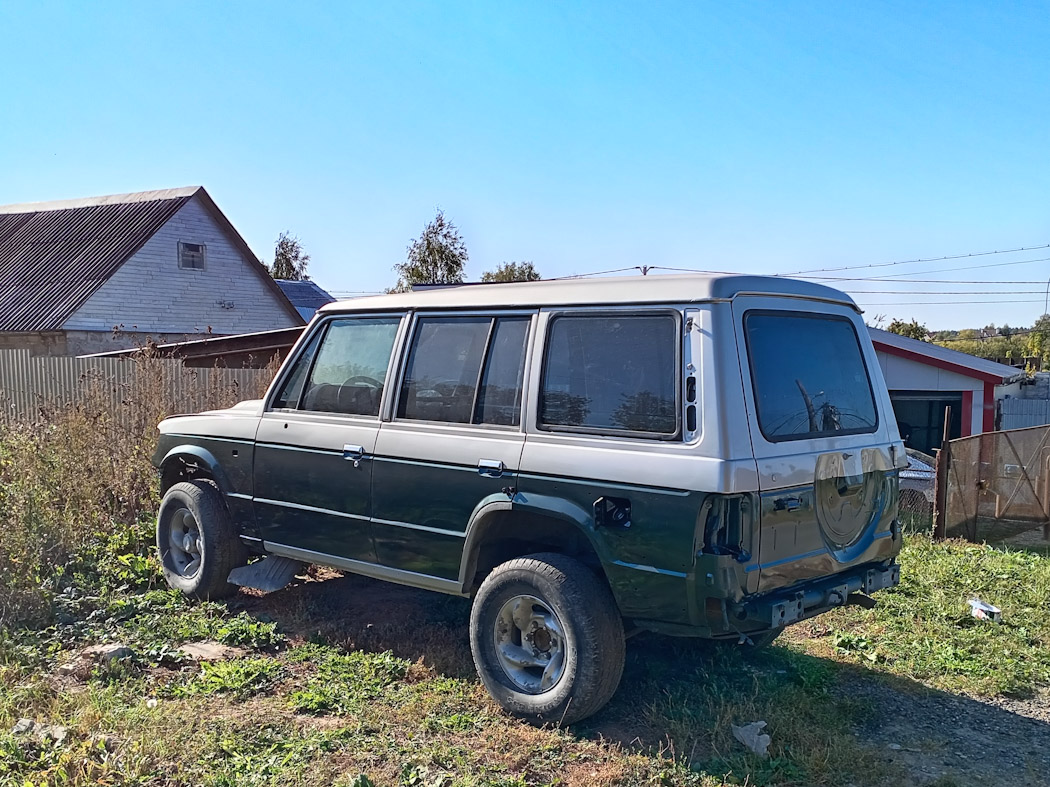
(923,378)
(89,275)
(305,296)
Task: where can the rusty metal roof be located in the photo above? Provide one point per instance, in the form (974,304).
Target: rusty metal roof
(55,255)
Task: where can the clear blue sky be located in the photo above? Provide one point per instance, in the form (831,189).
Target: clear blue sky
(760,137)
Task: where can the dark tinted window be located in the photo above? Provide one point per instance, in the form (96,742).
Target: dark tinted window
(499,400)
(350,371)
(442,373)
(809,376)
(611,373)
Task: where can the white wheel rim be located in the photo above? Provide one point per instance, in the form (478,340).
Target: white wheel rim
(184,543)
(530,644)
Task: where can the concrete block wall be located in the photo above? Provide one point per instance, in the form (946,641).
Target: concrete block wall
(150,293)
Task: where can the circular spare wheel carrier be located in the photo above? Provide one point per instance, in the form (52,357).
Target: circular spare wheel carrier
(846,502)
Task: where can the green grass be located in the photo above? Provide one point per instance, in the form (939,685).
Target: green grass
(303,707)
(923,629)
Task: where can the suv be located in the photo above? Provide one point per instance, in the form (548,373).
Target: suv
(699,456)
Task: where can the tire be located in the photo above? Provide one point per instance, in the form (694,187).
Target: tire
(196,541)
(547,639)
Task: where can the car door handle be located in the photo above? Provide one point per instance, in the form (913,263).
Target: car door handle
(490,467)
(354,453)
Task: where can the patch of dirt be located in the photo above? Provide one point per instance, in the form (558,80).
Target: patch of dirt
(969,741)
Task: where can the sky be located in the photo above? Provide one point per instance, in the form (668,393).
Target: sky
(581,136)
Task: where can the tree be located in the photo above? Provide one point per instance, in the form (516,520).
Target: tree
(512,271)
(289,259)
(913,330)
(1039,337)
(438,256)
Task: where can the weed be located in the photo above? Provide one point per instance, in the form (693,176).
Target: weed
(343,681)
(240,677)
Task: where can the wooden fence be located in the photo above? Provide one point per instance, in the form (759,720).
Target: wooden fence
(31,386)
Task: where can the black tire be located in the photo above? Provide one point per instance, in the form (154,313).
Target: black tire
(591,645)
(218,548)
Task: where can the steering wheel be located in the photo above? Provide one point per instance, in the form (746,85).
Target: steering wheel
(360,378)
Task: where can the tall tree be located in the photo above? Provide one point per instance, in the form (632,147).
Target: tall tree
(438,256)
(289,259)
(913,329)
(512,271)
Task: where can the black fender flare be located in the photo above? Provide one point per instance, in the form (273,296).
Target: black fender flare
(201,457)
(486,513)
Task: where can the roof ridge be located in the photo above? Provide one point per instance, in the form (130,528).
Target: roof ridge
(106,199)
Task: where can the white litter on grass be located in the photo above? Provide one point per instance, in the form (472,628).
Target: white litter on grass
(751,735)
(984,611)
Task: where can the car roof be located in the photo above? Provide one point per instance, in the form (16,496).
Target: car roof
(689,288)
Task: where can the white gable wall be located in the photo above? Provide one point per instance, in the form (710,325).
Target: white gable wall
(150,293)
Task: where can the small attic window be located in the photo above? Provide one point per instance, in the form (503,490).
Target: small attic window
(192,255)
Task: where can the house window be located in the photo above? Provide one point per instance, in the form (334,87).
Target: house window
(192,255)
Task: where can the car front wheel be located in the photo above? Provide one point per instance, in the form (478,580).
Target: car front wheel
(547,639)
(196,540)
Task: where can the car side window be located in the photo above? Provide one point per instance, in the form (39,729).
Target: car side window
(611,374)
(350,369)
(465,370)
(442,373)
(292,388)
(499,400)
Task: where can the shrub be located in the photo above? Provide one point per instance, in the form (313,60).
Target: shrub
(80,474)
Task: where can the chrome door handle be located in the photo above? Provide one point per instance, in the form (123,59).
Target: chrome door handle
(354,453)
(490,467)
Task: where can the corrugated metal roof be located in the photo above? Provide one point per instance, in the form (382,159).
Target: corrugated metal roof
(54,255)
(304,293)
(965,363)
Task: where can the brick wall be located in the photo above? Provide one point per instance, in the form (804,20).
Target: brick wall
(151,294)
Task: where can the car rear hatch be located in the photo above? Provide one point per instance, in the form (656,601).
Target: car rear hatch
(824,439)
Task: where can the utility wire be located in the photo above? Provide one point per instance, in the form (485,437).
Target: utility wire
(912,262)
(938,270)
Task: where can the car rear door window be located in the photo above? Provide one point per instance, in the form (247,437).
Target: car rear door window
(499,400)
(350,370)
(809,376)
(612,374)
(465,370)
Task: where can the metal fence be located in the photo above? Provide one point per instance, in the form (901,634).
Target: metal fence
(998,487)
(33,386)
(1022,413)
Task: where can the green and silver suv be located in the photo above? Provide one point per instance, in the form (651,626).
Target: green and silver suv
(701,456)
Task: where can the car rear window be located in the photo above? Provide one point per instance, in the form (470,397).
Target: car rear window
(809,376)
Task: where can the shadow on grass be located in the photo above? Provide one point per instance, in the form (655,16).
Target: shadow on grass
(830,722)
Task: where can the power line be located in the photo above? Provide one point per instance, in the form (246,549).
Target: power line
(938,270)
(945,292)
(912,262)
(948,303)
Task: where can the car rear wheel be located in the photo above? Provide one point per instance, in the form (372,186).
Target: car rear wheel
(196,541)
(547,639)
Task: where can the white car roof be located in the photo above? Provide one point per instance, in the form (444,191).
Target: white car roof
(689,288)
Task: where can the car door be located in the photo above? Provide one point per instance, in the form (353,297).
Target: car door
(313,469)
(824,438)
(454,440)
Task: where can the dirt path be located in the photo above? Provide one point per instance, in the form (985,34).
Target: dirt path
(956,739)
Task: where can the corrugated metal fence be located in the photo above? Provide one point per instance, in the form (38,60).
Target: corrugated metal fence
(1023,413)
(32,386)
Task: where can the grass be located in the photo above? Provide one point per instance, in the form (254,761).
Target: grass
(346,681)
(923,629)
(389,699)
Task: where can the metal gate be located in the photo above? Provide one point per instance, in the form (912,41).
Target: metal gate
(997,487)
